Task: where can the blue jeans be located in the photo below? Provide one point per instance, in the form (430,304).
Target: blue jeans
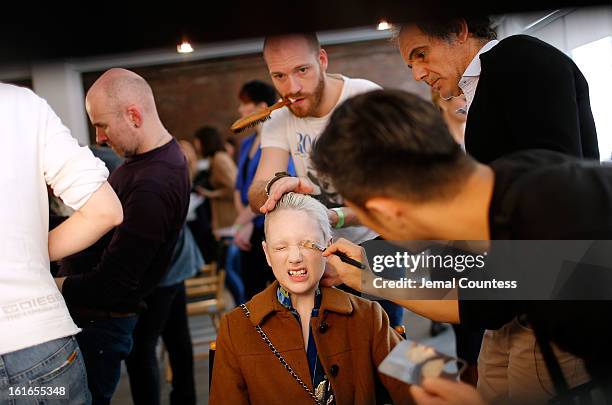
(233,277)
(49,368)
(105,343)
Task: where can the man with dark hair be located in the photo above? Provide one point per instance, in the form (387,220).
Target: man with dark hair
(479,26)
(298,67)
(257,92)
(405,177)
(541,98)
(249,233)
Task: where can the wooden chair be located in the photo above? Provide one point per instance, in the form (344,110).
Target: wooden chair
(205,297)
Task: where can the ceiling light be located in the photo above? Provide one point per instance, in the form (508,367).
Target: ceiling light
(184,47)
(383,25)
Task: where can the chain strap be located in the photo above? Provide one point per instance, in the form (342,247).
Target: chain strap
(280,357)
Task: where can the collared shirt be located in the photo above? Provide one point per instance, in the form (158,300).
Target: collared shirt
(469,80)
(317,373)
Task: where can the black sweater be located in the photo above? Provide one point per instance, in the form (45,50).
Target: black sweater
(128,262)
(530,95)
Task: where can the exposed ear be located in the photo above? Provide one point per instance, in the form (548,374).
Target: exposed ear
(385,211)
(261,106)
(463,33)
(134,116)
(323,61)
(265,249)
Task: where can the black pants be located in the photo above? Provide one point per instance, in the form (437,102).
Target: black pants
(104,344)
(166,316)
(256,274)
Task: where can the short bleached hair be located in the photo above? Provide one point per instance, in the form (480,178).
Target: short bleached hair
(305,203)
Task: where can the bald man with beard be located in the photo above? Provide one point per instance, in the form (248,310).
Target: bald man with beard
(105,287)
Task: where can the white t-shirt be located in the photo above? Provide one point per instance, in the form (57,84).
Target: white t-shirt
(36,150)
(296,135)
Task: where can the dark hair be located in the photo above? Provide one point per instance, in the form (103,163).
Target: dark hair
(257,92)
(310,37)
(210,139)
(390,143)
(444,27)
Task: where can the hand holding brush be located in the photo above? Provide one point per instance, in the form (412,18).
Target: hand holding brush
(311,245)
(258,117)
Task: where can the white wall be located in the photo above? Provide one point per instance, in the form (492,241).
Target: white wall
(60,84)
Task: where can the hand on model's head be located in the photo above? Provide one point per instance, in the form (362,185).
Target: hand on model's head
(283,186)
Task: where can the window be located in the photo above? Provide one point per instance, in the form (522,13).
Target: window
(595,61)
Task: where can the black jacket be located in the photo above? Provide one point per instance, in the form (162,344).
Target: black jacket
(530,95)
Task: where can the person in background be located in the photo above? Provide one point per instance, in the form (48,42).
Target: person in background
(222,179)
(199,217)
(254,96)
(166,316)
(107,286)
(230,146)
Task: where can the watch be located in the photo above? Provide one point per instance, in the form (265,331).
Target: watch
(277,176)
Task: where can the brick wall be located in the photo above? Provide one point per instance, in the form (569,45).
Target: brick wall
(190,95)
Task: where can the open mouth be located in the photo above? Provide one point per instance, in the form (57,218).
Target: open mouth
(296,100)
(298,274)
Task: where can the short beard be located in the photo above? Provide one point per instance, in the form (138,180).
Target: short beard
(315,99)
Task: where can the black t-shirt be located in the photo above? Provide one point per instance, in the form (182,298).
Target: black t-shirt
(128,262)
(555,197)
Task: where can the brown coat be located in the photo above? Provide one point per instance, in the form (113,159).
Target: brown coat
(223,177)
(354,342)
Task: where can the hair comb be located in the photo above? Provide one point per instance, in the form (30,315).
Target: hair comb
(258,117)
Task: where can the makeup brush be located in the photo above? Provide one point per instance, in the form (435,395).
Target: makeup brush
(256,118)
(311,245)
